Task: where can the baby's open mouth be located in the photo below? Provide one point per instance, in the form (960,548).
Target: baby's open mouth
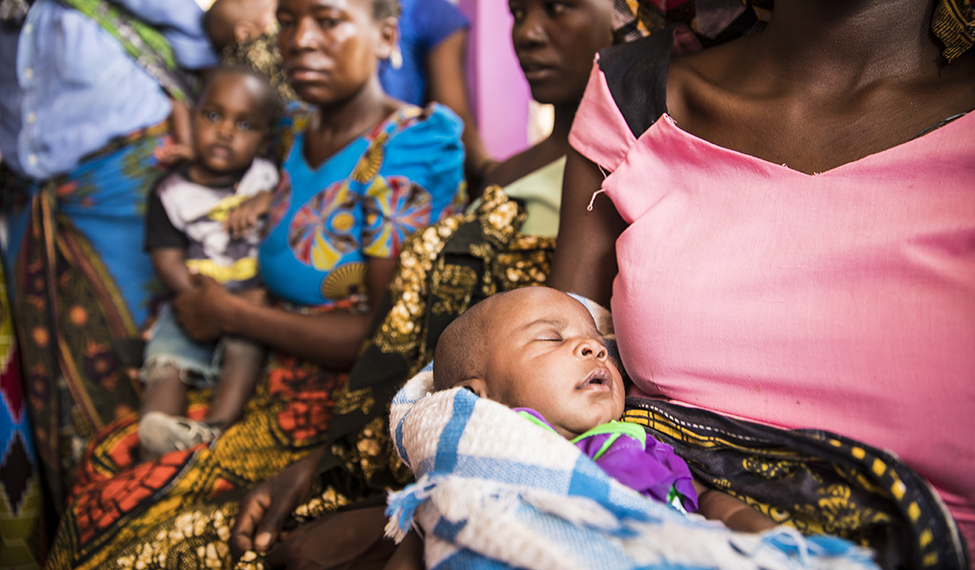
(599,379)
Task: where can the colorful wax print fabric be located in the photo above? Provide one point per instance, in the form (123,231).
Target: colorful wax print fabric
(326,220)
(82,288)
(21,527)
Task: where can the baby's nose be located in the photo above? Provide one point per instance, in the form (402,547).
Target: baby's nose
(589,348)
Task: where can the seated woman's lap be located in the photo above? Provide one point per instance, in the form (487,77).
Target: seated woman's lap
(189,499)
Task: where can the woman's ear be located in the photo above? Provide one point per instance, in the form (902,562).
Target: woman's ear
(476,385)
(388,36)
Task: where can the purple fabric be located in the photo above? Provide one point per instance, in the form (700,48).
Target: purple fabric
(651,471)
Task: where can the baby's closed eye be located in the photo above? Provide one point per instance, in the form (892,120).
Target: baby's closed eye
(550,337)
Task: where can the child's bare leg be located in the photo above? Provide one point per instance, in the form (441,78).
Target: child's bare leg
(242,361)
(164,391)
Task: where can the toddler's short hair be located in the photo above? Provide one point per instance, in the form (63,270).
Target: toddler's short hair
(271,99)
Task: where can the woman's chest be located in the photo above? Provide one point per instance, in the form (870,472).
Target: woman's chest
(747,278)
(312,252)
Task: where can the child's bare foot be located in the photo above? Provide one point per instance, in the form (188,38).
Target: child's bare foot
(161,433)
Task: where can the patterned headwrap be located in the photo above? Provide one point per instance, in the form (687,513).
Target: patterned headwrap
(717,21)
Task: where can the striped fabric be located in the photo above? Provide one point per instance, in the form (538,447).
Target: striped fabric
(494,490)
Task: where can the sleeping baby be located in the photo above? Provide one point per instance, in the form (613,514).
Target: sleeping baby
(537,350)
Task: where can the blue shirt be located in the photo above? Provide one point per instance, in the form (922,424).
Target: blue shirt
(67,87)
(423,24)
(363,201)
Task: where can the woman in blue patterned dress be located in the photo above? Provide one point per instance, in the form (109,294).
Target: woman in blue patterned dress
(361,171)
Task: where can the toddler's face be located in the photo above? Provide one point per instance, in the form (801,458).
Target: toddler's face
(229,124)
(548,356)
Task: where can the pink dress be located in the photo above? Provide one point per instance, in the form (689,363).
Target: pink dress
(843,301)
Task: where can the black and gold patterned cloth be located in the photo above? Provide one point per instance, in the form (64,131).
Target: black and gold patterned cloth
(815,481)
(443,269)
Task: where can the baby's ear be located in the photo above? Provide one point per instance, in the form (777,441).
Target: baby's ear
(245,30)
(476,385)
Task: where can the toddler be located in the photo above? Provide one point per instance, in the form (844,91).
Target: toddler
(195,225)
(537,350)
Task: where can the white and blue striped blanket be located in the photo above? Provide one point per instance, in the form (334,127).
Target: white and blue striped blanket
(495,491)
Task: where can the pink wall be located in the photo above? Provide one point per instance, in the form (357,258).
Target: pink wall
(499,93)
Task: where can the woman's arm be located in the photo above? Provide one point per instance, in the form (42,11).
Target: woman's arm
(331,340)
(445,67)
(408,555)
(585,257)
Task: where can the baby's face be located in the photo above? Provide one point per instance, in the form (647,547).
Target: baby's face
(548,356)
(230,123)
(264,19)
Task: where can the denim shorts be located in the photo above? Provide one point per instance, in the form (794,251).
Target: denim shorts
(198,363)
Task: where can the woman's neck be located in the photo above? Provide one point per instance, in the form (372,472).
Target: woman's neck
(553,147)
(336,125)
(827,82)
(564,115)
(557,142)
(849,43)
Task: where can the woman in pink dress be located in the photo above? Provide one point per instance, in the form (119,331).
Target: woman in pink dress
(789,234)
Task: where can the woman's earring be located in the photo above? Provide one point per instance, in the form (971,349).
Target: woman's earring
(396,57)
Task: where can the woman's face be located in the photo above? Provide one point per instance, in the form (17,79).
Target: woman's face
(331,48)
(556,41)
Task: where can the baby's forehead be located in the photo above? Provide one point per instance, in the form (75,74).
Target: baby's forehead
(555,308)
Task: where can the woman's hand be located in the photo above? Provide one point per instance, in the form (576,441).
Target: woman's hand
(265,509)
(244,217)
(198,310)
(347,539)
(256,296)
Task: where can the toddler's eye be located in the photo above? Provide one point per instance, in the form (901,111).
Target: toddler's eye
(212,116)
(245,126)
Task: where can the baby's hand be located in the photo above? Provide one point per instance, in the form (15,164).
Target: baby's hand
(170,154)
(244,217)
